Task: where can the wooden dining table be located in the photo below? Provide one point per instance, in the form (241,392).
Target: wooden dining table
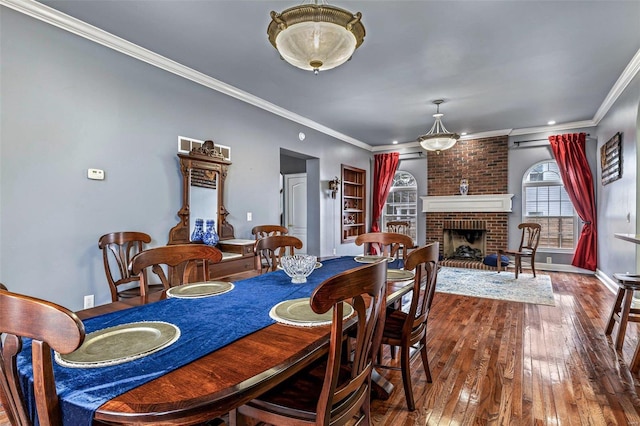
(225,378)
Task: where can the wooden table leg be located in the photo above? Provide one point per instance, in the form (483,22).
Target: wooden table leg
(624,318)
(615,312)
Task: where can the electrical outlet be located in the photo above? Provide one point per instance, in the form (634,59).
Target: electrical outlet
(549,259)
(334,251)
(88,301)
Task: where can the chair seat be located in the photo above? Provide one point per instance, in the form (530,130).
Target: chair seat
(299,394)
(515,252)
(135,291)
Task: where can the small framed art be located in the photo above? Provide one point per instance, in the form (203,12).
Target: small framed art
(611,159)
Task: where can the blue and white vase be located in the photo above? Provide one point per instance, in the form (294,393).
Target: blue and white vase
(464,187)
(210,236)
(198,231)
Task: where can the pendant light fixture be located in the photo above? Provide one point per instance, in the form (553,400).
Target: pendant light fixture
(316,37)
(438,138)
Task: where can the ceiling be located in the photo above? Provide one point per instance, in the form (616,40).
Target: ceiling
(502,67)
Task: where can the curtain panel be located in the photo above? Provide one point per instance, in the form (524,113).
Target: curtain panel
(569,152)
(384,169)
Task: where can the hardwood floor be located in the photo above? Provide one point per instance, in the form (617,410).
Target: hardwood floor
(496,362)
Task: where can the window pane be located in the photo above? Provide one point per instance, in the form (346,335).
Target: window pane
(402,202)
(546,202)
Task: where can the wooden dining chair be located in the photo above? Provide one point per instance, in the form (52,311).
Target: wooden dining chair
(335,389)
(528,246)
(408,329)
(50,326)
(261,231)
(182,263)
(398,227)
(118,248)
(388,244)
(273,248)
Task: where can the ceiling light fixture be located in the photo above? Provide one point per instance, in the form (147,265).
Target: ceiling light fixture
(315,36)
(438,138)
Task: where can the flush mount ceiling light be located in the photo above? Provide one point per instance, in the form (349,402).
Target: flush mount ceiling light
(438,138)
(316,37)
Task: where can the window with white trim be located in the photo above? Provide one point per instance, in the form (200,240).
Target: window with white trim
(545,201)
(402,202)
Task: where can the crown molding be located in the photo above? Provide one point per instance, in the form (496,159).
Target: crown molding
(490,134)
(623,81)
(554,128)
(65,22)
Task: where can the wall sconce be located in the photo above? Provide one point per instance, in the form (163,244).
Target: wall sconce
(334,186)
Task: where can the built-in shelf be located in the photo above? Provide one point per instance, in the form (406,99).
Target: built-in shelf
(467,203)
(353,202)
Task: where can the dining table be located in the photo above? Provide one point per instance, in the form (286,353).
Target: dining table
(229,350)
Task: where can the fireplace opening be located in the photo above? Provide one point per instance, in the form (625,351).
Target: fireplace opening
(464,240)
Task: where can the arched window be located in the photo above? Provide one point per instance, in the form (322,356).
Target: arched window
(545,201)
(402,202)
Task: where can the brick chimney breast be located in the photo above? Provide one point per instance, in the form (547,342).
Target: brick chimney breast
(484,163)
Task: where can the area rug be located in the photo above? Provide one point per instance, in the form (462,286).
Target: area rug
(494,285)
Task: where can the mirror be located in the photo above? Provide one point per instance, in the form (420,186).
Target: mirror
(203,198)
(203,174)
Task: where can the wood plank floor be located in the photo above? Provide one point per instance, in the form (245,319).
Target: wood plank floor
(496,362)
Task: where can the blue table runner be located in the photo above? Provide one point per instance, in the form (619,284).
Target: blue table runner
(206,324)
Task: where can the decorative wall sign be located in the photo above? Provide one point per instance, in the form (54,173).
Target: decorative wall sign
(611,159)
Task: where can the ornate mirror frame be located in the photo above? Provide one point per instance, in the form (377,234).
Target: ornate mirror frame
(211,164)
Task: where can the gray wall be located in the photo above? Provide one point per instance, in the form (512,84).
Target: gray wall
(69,104)
(620,197)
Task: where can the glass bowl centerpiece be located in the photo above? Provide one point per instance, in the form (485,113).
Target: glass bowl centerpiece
(298,266)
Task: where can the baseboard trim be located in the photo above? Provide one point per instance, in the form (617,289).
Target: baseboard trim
(560,267)
(607,281)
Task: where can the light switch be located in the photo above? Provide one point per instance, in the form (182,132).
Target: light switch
(249,216)
(95,174)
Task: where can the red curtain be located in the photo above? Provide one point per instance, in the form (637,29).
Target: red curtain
(569,151)
(384,168)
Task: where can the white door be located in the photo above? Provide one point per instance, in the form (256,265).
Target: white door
(295,212)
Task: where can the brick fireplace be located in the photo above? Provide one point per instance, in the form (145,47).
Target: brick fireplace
(484,163)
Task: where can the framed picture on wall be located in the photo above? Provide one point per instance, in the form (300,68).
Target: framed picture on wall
(611,159)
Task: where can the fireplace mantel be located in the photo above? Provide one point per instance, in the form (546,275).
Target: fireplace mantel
(467,203)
